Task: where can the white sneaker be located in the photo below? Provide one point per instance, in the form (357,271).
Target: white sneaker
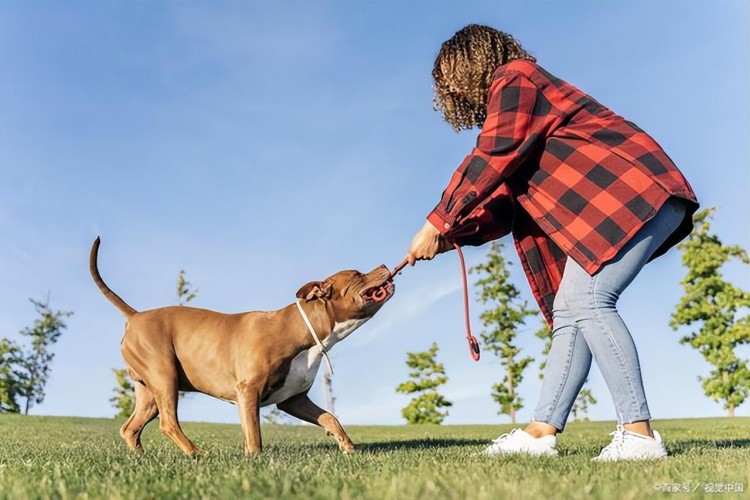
(517,441)
(628,445)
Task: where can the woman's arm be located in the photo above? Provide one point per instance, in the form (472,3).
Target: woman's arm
(519,119)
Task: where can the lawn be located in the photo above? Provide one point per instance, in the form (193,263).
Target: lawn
(51,457)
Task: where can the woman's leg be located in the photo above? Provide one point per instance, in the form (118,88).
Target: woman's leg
(586,306)
(565,372)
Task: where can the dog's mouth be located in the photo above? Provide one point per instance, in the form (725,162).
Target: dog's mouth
(380,292)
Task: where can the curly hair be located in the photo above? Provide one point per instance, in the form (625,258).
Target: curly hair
(463,72)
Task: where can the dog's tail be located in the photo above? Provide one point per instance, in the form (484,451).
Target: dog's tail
(111,296)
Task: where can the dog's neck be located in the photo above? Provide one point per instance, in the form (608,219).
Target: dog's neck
(320,316)
(314,334)
(324,324)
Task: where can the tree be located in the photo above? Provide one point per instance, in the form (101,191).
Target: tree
(328,390)
(185,292)
(24,373)
(274,416)
(11,357)
(585,397)
(501,323)
(426,376)
(581,405)
(36,364)
(716,312)
(124,397)
(544,333)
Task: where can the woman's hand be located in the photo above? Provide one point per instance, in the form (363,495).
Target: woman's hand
(427,243)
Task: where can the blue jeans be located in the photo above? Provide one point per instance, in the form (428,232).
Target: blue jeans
(586,322)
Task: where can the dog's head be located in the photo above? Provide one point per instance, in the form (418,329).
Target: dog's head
(353,295)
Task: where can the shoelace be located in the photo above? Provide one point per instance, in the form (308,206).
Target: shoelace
(502,437)
(618,442)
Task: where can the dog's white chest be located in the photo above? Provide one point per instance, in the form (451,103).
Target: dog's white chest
(304,367)
(301,376)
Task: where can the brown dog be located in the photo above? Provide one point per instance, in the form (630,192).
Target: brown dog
(252,359)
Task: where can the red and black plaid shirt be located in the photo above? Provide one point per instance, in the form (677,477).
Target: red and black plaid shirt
(565,174)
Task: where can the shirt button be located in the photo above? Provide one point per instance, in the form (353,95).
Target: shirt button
(446,225)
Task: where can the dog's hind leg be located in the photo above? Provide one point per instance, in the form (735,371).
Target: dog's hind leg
(145,411)
(165,394)
(158,373)
(301,407)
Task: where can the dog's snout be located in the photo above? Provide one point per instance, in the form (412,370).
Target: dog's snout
(380,272)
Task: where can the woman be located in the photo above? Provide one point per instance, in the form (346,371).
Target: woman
(589,198)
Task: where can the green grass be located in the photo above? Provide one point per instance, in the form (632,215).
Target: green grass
(47,457)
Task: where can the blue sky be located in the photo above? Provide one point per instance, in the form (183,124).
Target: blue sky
(261,145)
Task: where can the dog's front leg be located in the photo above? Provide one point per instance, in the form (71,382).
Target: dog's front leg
(301,407)
(248,398)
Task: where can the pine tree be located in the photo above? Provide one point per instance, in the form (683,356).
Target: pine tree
(716,312)
(426,376)
(508,312)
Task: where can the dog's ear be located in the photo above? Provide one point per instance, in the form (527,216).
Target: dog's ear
(315,290)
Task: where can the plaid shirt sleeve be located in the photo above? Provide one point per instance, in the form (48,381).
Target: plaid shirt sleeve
(519,118)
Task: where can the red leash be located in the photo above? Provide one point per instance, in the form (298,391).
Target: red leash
(471,339)
(473,344)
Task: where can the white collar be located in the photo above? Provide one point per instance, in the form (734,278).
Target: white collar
(315,336)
